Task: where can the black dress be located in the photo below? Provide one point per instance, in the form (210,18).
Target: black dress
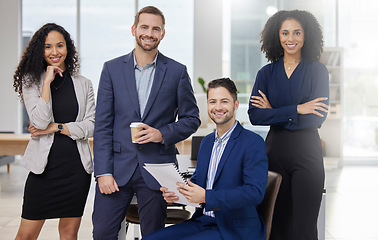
(62,189)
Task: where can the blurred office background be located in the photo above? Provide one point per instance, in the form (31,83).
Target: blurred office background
(212,38)
(216,38)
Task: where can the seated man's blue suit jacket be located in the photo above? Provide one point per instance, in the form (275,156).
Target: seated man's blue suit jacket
(239,184)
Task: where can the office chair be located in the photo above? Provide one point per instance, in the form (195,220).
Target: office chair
(175,214)
(267,205)
(180,214)
(196,142)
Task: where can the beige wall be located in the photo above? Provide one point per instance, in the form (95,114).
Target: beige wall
(207,41)
(10,42)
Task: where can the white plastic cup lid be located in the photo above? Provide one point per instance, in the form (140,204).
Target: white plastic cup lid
(135,124)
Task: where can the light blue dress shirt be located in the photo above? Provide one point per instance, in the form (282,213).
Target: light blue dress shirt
(144,78)
(216,154)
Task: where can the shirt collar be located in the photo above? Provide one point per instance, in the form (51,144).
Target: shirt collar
(227,135)
(148,64)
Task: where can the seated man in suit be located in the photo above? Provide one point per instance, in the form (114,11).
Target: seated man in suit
(230,178)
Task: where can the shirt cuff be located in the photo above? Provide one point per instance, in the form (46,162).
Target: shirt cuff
(105,174)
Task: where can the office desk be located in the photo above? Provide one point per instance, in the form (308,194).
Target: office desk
(12,144)
(15,144)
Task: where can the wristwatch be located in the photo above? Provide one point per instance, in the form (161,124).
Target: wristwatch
(60,127)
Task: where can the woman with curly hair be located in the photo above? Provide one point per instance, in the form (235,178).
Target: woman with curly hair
(61,108)
(291,95)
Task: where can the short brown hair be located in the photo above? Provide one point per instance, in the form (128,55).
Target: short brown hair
(226,83)
(150,10)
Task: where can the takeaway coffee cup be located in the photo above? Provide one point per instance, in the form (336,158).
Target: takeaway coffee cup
(134,127)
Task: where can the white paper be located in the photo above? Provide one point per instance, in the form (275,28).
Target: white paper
(167,175)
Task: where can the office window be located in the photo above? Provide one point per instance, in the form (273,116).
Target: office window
(243,21)
(358,39)
(36,13)
(105,34)
(105,29)
(179,19)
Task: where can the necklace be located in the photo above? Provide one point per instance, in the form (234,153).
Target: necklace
(291,63)
(56,88)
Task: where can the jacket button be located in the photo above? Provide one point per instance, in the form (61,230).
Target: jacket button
(139,148)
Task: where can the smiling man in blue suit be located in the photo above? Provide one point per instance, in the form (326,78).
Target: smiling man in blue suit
(142,86)
(230,178)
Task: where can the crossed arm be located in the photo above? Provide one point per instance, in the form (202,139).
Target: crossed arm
(315,106)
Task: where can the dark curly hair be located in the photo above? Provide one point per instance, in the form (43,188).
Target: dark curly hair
(270,39)
(33,63)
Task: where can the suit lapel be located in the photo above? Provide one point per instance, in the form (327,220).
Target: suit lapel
(160,71)
(226,153)
(129,74)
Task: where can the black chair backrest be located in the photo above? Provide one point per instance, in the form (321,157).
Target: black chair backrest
(196,142)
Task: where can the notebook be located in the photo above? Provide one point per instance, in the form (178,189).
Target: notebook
(168,175)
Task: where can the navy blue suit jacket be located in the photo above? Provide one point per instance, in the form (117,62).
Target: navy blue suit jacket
(171,108)
(239,184)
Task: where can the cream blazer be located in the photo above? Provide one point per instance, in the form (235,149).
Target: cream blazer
(40,115)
